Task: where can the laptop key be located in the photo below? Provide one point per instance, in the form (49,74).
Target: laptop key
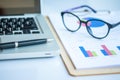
(1,31)
(18,32)
(4,20)
(8,31)
(26,31)
(35,32)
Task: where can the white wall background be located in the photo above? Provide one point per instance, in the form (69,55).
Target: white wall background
(105,4)
(49,6)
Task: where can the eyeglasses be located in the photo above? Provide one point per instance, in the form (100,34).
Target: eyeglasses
(97,28)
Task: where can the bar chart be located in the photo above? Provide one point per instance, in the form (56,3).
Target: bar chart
(87,53)
(105,51)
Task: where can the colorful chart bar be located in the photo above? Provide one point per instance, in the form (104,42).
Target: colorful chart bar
(87,53)
(84,51)
(118,47)
(106,51)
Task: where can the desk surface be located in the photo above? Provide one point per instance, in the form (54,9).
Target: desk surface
(44,68)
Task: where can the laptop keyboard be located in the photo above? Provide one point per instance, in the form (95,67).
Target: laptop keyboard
(11,26)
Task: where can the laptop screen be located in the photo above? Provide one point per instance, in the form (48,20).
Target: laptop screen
(8,7)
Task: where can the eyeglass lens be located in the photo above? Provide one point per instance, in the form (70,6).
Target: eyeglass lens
(97,28)
(70,22)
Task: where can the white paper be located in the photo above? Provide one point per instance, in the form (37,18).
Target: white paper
(73,40)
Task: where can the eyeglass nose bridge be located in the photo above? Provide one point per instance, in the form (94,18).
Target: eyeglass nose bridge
(82,23)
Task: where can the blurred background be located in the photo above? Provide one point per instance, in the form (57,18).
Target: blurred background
(50,6)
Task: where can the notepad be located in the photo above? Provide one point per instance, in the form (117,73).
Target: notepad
(86,52)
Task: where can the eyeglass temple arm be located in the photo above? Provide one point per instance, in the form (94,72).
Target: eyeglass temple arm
(115,25)
(93,10)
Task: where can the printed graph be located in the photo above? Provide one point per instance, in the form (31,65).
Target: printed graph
(87,53)
(104,51)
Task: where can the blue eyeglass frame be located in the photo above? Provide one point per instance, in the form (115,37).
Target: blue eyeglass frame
(82,6)
(110,26)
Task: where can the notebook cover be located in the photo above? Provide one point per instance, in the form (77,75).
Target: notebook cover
(68,63)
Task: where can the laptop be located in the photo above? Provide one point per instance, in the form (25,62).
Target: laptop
(21,20)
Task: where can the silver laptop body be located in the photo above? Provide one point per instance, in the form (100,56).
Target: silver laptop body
(26,9)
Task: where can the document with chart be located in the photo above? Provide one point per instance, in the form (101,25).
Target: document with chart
(87,52)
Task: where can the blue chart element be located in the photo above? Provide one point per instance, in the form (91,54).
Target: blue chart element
(104,52)
(95,22)
(84,51)
(118,47)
